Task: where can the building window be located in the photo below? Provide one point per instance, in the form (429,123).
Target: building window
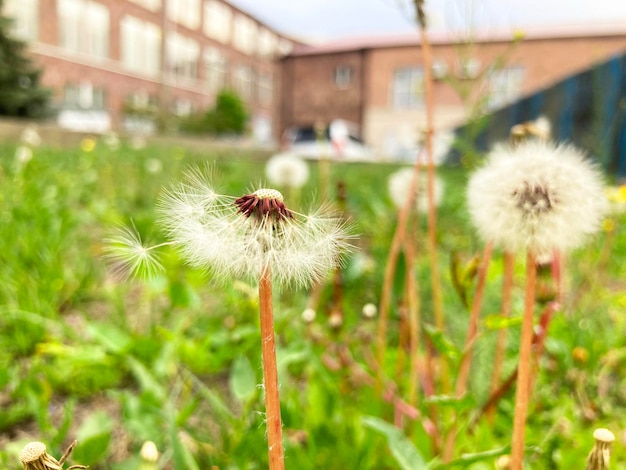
(215,69)
(184,12)
(343,76)
(182,57)
(245,34)
(217,20)
(504,85)
(243,80)
(84,96)
(408,88)
(84,27)
(152,5)
(267,44)
(266,89)
(141,46)
(182,107)
(25,15)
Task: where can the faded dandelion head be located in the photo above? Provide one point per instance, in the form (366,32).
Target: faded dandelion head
(369,310)
(111,140)
(600,456)
(308,315)
(287,170)
(399,184)
(127,256)
(23,155)
(536,196)
(149,452)
(30,136)
(34,457)
(240,237)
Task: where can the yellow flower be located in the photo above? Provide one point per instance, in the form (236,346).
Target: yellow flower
(87,144)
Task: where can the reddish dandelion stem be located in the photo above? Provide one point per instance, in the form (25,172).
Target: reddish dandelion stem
(270,374)
(524,368)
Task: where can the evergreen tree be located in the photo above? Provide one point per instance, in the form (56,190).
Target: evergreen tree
(20,91)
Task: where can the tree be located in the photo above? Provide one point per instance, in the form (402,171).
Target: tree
(20,91)
(229,114)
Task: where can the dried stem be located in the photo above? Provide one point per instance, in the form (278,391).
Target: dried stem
(270,374)
(507,288)
(524,366)
(413,308)
(470,339)
(390,269)
(429,98)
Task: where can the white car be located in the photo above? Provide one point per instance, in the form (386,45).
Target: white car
(345,143)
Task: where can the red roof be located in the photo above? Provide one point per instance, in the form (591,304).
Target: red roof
(413,39)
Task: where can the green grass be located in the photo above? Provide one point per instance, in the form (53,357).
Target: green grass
(177,360)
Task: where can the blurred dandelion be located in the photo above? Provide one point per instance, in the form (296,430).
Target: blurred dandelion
(287,170)
(369,310)
(399,185)
(308,315)
(537,196)
(23,155)
(153,166)
(542,198)
(111,140)
(30,137)
(87,144)
(149,456)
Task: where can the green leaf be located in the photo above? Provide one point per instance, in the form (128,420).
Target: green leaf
(146,380)
(402,449)
(109,336)
(94,436)
(465,459)
(498,322)
(243,383)
(182,456)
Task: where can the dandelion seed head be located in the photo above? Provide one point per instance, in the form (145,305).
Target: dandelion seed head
(308,315)
(399,185)
(30,136)
(536,196)
(239,237)
(369,310)
(287,170)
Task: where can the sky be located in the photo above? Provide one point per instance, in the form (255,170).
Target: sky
(322,20)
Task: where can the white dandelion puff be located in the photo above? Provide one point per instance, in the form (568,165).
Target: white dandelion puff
(369,310)
(287,170)
(241,237)
(308,315)
(23,155)
(30,136)
(536,196)
(399,184)
(128,257)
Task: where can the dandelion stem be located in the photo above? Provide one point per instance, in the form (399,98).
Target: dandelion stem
(507,288)
(523,373)
(270,374)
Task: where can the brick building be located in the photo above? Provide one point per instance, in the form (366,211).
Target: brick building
(115,64)
(378,83)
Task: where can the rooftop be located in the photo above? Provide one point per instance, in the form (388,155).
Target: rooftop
(484,36)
